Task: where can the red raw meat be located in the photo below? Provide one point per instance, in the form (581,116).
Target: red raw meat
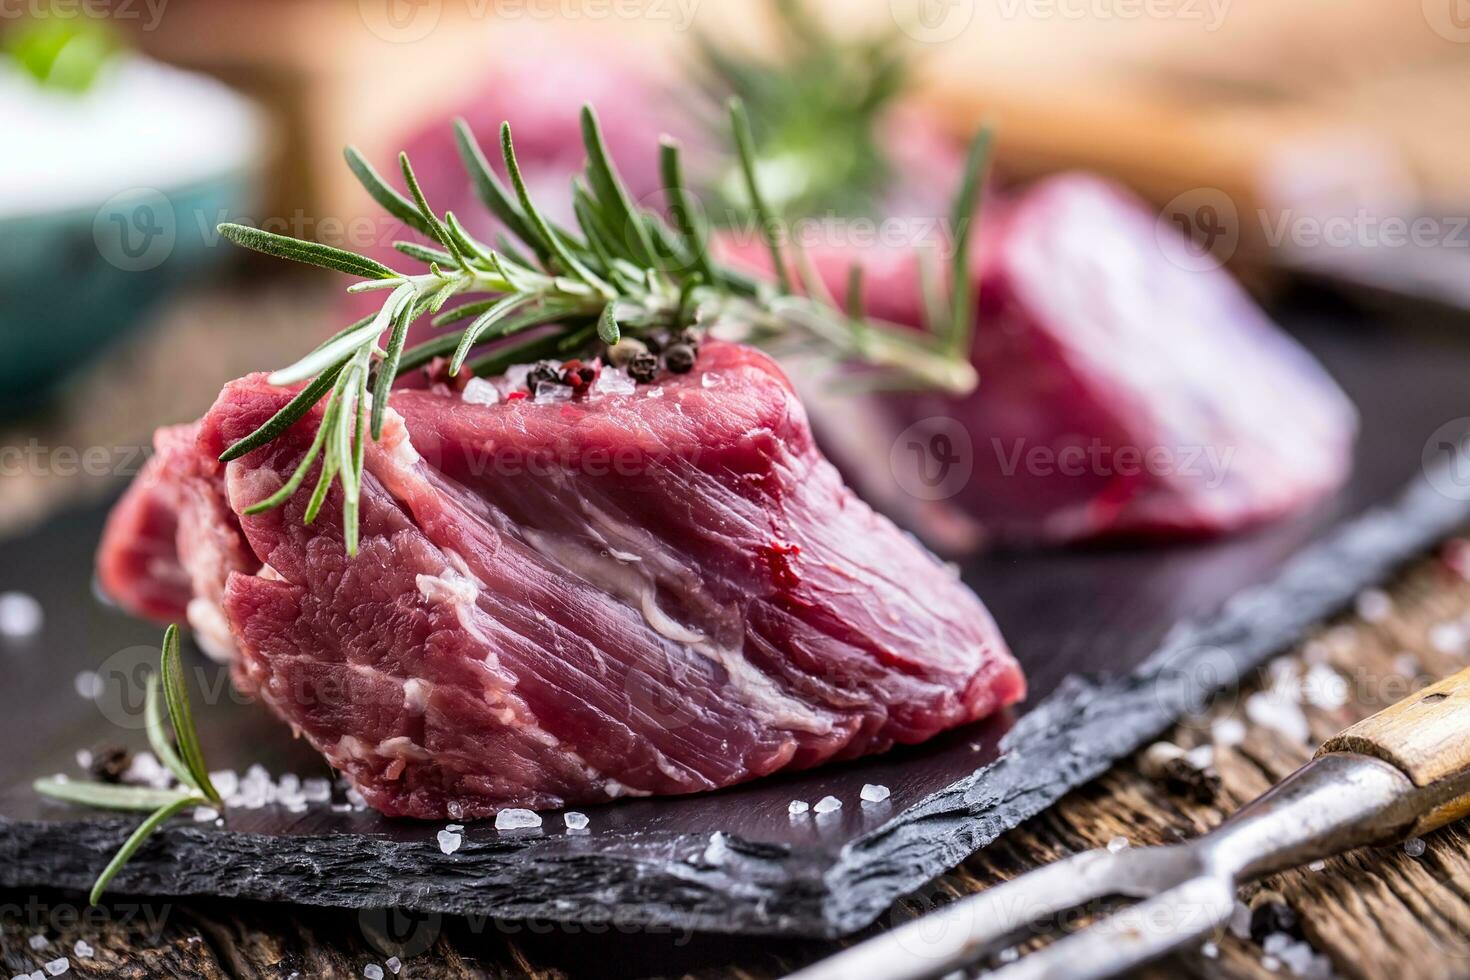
(1121,395)
(655,591)
(171,542)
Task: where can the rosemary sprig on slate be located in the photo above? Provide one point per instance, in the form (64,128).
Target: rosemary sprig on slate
(622,271)
(186,764)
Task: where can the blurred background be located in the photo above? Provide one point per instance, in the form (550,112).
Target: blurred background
(1301,141)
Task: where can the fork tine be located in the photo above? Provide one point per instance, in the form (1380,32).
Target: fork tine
(1131,937)
(958,934)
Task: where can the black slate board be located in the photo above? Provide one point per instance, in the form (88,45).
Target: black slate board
(1117,644)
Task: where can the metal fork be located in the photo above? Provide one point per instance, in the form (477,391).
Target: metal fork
(1403,772)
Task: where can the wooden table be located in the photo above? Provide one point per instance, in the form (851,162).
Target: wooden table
(1373,914)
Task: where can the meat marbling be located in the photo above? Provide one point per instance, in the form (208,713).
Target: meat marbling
(651,592)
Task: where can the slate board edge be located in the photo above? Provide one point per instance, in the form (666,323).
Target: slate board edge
(667,882)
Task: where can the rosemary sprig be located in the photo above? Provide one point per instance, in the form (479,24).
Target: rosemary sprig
(187,765)
(816,97)
(621,272)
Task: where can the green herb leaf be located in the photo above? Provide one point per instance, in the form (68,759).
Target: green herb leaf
(607,324)
(962,221)
(745,146)
(130,847)
(393,202)
(542,229)
(153,712)
(681,208)
(310,253)
(610,191)
(108,796)
(491,191)
(274,427)
(176,696)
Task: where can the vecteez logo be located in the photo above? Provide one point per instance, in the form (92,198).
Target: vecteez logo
(401,21)
(933,458)
(932,21)
(1450,19)
(135,230)
(1199,230)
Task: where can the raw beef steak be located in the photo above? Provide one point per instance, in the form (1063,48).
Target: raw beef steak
(650,590)
(1121,394)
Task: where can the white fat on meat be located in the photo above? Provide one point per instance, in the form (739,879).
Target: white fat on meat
(211,629)
(633,585)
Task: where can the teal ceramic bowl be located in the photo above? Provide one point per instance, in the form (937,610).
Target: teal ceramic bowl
(73,282)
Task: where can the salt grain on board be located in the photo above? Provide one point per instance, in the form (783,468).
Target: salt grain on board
(204,814)
(449,841)
(1118,844)
(1227,732)
(575,820)
(797,807)
(20,616)
(1447,637)
(873,793)
(89,685)
(1414,847)
(57,967)
(1373,605)
(38,941)
(517,819)
(827,804)
(394,964)
(373,971)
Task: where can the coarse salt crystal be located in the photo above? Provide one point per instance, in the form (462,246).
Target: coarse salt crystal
(449,841)
(20,615)
(613,381)
(717,850)
(550,392)
(454,828)
(1271,710)
(84,758)
(59,966)
(1118,844)
(1317,866)
(1210,951)
(827,804)
(1447,637)
(394,964)
(873,793)
(38,941)
(1414,847)
(575,820)
(1324,687)
(1228,731)
(1373,605)
(83,949)
(480,392)
(204,814)
(316,790)
(517,819)
(373,971)
(1270,964)
(711,379)
(89,685)
(798,807)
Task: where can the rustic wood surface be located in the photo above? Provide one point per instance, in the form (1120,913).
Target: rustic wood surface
(1373,913)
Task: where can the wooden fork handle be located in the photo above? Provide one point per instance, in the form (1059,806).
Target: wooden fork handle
(1426,736)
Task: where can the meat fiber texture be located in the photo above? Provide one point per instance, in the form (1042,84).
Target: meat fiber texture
(651,590)
(1123,394)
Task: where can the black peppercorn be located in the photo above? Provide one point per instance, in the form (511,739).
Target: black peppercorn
(680,359)
(1270,916)
(689,338)
(109,763)
(1199,783)
(643,368)
(545,372)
